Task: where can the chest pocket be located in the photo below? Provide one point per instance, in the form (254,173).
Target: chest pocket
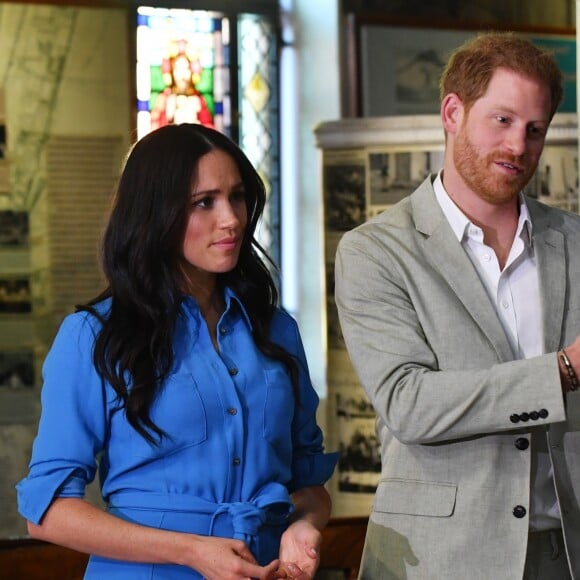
(178,410)
(278,409)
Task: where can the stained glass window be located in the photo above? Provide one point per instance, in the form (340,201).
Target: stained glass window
(205,67)
(182,68)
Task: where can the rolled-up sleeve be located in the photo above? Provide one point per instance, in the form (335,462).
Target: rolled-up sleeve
(72,426)
(310,464)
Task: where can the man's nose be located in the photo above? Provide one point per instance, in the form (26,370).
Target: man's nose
(516,141)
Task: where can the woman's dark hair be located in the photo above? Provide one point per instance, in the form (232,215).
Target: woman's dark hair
(141,253)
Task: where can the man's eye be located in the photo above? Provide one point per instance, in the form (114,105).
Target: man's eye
(502,119)
(537,131)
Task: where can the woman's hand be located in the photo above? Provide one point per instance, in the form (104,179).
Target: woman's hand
(226,559)
(299,551)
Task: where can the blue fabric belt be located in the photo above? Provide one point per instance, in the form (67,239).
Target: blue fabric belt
(271,504)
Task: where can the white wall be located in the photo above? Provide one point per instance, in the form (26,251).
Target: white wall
(316,79)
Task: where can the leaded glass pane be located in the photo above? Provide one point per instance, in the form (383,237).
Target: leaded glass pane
(259,116)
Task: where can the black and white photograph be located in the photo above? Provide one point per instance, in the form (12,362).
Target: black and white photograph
(15,296)
(359,466)
(344,196)
(14,228)
(555,181)
(16,370)
(394,175)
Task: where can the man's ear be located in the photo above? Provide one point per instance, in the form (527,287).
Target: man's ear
(451,112)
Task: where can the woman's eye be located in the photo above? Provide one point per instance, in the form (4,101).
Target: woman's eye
(204,202)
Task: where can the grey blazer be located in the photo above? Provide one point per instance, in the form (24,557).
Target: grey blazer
(453,406)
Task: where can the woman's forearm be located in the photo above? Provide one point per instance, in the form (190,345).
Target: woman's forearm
(76,524)
(312,504)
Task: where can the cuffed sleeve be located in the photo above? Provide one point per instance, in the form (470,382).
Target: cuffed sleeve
(72,429)
(35,494)
(310,464)
(312,470)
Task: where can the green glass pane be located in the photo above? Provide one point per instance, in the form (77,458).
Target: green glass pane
(209,101)
(157,82)
(205,84)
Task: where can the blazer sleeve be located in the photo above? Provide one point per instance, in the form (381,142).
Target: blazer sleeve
(430,375)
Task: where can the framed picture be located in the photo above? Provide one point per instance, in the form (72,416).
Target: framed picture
(15,297)
(393,174)
(395,69)
(14,228)
(16,369)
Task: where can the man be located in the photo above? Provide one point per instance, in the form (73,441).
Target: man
(455,305)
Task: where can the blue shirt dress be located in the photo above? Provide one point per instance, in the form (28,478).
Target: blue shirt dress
(237,441)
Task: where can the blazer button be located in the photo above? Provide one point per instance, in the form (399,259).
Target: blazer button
(524,417)
(515,418)
(543,413)
(519,511)
(522,443)
(534,415)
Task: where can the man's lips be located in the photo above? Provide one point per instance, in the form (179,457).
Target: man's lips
(510,166)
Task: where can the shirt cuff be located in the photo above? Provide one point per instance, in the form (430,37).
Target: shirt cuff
(310,470)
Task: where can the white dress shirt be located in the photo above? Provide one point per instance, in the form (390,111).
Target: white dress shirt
(515,295)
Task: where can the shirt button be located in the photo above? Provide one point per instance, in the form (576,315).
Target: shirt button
(486,257)
(233,371)
(232,411)
(519,511)
(223,330)
(522,443)
(237,461)
(505,305)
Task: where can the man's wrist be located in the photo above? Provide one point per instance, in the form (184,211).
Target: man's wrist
(567,371)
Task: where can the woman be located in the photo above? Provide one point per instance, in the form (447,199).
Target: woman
(184,384)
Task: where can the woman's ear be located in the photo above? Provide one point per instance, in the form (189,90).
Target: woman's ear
(452,111)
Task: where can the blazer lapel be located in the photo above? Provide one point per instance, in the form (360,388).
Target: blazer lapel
(550,253)
(454,265)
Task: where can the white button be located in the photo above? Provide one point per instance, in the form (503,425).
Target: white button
(505,304)
(486,257)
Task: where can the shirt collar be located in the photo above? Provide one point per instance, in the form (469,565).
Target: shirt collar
(230,296)
(232,300)
(460,223)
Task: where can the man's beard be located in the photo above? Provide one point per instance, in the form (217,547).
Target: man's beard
(478,173)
